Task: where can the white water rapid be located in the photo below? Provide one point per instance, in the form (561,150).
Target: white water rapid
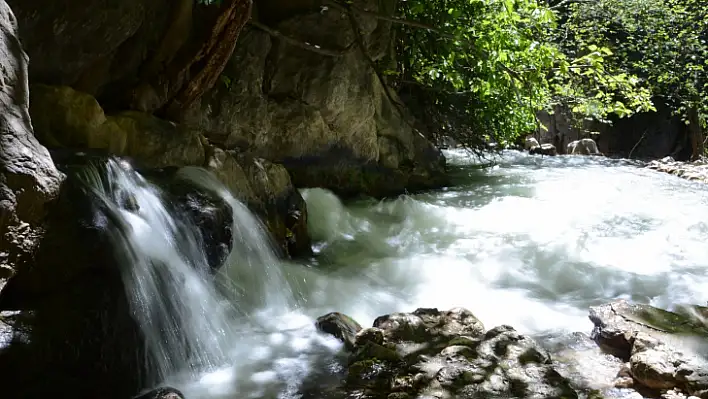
(531,243)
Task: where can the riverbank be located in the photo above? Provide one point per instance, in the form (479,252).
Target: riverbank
(695,171)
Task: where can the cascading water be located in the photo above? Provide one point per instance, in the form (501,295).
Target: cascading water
(211,335)
(531,242)
(252,272)
(184,320)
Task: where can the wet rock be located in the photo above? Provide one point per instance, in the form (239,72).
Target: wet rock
(432,353)
(695,171)
(544,149)
(29,181)
(77,121)
(210,213)
(269,192)
(340,326)
(663,348)
(78,320)
(161,393)
(583,147)
(531,143)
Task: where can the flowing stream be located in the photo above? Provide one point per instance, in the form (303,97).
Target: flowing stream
(532,242)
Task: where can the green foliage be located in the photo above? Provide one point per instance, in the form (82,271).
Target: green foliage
(490,65)
(663,42)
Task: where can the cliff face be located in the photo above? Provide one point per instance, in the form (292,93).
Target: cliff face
(304,95)
(327,117)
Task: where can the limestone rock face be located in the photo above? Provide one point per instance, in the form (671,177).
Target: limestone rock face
(327,119)
(64,117)
(67,118)
(98,42)
(28,177)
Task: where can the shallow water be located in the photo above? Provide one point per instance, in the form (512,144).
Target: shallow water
(532,242)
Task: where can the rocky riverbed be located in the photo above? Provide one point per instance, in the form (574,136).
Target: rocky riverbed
(696,170)
(449,354)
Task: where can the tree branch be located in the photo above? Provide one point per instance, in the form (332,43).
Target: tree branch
(359,40)
(300,44)
(362,11)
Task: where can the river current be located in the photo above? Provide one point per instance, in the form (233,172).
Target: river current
(531,242)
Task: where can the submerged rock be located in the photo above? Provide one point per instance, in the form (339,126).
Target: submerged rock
(665,350)
(341,326)
(448,354)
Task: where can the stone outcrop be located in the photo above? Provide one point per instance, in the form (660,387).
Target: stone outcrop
(449,354)
(70,119)
(695,171)
(328,119)
(324,114)
(155,55)
(66,118)
(663,350)
(28,178)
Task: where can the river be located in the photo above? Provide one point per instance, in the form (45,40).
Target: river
(531,242)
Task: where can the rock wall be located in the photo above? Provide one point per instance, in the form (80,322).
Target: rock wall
(327,118)
(28,178)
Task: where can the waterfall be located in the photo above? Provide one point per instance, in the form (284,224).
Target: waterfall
(187,321)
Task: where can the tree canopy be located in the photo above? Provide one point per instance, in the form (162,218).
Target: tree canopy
(480,70)
(490,65)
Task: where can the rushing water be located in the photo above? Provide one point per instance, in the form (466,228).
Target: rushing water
(531,242)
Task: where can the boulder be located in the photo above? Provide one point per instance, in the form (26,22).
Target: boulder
(78,121)
(582,147)
(28,178)
(544,149)
(340,326)
(531,143)
(64,117)
(268,191)
(78,321)
(663,348)
(448,354)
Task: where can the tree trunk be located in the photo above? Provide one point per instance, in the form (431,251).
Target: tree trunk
(183,77)
(695,132)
